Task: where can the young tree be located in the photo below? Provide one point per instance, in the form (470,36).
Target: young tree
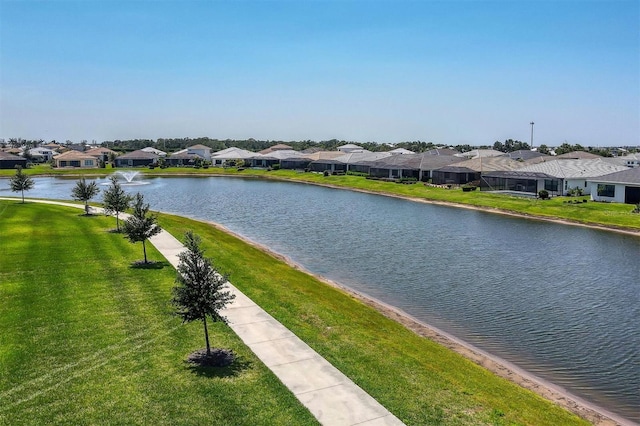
(21,182)
(116,200)
(84,191)
(200,288)
(141,226)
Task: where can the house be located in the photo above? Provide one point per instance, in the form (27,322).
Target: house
(526,155)
(558,177)
(139,158)
(154,151)
(480,153)
(578,155)
(401,151)
(351,148)
(232,154)
(101,153)
(278,147)
(41,155)
(618,187)
(396,167)
(183,158)
(296,159)
(202,151)
(10,161)
(471,170)
(76,159)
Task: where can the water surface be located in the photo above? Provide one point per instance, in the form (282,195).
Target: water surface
(559,301)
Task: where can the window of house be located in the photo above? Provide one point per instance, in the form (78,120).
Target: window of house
(606,190)
(551,184)
(88,162)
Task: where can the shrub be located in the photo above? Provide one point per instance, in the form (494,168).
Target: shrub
(543,194)
(326,173)
(276,166)
(468,188)
(636,209)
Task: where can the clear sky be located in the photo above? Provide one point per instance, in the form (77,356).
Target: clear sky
(451,72)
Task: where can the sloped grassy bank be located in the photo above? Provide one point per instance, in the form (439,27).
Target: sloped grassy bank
(417,379)
(88,339)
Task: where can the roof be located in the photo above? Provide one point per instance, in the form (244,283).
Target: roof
(442,151)
(422,161)
(629,176)
(577,155)
(350,146)
(153,150)
(576,169)
(483,164)
(8,156)
(278,147)
(184,156)
(478,153)
(323,155)
(282,154)
(401,151)
(140,154)
(525,155)
(232,154)
(359,157)
(74,155)
(199,146)
(99,151)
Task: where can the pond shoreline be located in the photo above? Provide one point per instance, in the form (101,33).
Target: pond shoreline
(586,410)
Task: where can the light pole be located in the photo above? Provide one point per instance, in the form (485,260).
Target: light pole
(532,123)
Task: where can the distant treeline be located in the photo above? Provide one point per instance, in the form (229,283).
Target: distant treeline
(172,145)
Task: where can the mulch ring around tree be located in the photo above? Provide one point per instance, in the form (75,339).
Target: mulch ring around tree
(217,358)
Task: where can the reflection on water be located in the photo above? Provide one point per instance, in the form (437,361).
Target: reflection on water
(562,302)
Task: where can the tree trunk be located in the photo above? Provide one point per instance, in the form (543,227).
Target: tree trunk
(23,196)
(206,335)
(86,208)
(117,223)
(144,250)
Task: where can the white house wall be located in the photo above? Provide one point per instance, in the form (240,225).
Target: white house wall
(618,195)
(573,183)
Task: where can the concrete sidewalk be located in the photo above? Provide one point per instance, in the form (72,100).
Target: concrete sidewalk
(327,393)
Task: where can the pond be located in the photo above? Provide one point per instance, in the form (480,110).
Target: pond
(561,302)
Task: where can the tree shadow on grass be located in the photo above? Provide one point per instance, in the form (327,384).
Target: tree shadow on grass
(139,264)
(237,366)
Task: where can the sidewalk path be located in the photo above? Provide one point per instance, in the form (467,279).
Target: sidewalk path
(327,393)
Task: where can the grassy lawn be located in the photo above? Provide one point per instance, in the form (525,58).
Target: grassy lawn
(419,381)
(87,339)
(606,214)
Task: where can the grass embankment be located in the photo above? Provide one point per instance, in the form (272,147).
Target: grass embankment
(604,214)
(86,338)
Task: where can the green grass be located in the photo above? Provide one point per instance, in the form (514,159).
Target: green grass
(612,215)
(418,380)
(88,339)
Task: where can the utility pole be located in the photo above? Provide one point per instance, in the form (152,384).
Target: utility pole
(532,123)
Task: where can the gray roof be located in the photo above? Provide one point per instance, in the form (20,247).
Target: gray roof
(140,155)
(524,155)
(483,164)
(576,169)
(8,156)
(629,176)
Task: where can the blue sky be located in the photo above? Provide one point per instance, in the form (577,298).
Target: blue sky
(451,72)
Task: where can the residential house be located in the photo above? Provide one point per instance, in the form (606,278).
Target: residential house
(401,151)
(558,177)
(41,154)
(350,147)
(76,159)
(228,155)
(479,153)
(278,147)
(201,151)
(101,153)
(154,151)
(618,187)
(10,161)
(183,158)
(139,158)
(471,170)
